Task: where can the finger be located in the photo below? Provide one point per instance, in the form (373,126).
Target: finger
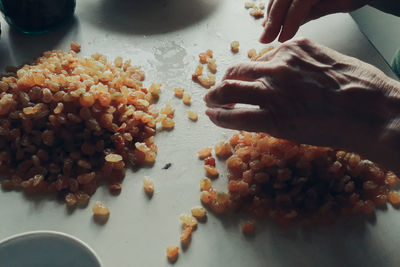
(297,12)
(268,12)
(235,91)
(247,71)
(275,20)
(258,120)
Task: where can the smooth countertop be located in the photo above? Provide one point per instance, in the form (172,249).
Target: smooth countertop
(165,37)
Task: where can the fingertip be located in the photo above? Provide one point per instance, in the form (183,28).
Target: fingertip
(210,112)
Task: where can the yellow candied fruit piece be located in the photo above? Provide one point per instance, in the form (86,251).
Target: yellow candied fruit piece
(204,152)
(188,220)
(186,99)
(192,115)
(100,209)
(235,46)
(179,92)
(148,185)
(199,212)
(113,158)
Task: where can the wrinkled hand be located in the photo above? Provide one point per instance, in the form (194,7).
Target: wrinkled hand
(311,94)
(291,14)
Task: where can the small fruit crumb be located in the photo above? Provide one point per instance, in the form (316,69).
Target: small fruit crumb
(100,209)
(113,158)
(172,253)
(168,123)
(199,212)
(394,198)
(155,89)
(186,235)
(251,53)
(211,171)
(198,72)
(257,13)
(75,47)
(168,110)
(148,185)
(204,152)
(235,46)
(188,220)
(192,115)
(203,58)
(205,184)
(248,5)
(209,161)
(186,98)
(248,227)
(179,92)
(223,149)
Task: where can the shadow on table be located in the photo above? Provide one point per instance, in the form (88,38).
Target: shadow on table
(25,48)
(4,55)
(147,16)
(346,242)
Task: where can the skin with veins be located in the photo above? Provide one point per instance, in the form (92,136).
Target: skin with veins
(310,94)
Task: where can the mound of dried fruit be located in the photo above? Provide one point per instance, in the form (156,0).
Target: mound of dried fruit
(286,182)
(68,122)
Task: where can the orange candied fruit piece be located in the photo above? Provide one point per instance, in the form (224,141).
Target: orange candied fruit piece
(235,46)
(394,198)
(172,253)
(223,149)
(211,171)
(391,178)
(148,185)
(210,161)
(186,234)
(204,152)
(248,227)
(100,209)
(75,47)
(178,92)
(205,184)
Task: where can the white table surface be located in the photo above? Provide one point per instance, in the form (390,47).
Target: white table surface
(165,37)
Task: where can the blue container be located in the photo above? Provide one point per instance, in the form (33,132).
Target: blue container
(37,16)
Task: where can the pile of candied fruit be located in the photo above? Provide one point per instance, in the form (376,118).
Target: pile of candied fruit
(291,183)
(67,123)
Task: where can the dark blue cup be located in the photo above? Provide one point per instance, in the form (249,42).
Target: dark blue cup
(37,16)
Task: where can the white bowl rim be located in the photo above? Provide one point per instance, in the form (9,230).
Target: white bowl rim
(76,240)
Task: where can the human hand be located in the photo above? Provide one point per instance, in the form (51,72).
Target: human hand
(311,94)
(291,14)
